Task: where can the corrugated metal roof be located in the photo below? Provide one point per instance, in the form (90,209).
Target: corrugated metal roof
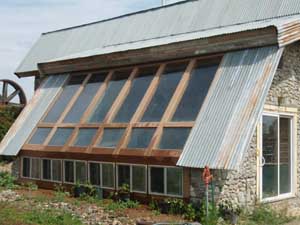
(182,21)
(30,116)
(229,115)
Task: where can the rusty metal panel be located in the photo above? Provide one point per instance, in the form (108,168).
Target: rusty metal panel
(229,115)
(183,21)
(31,114)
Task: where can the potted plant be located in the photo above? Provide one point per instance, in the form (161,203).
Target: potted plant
(229,211)
(124,192)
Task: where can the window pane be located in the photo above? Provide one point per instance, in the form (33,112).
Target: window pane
(26,167)
(108,175)
(139,87)
(111,137)
(56,170)
(141,137)
(174,138)
(61,136)
(285,155)
(163,94)
(69,171)
(35,168)
(85,98)
(195,93)
(270,154)
(46,169)
(63,100)
(174,181)
(85,136)
(95,174)
(123,175)
(110,95)
(157,180)
(39,136)
(81,175)
(138,178)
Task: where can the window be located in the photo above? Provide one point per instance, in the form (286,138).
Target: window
(80,172)
(95,174)
(138,179)
(46,165)
(277,160)
(166,181)
(85,137)
(166,88)
(140,137)
(56,170)
(174,138)
(195,93)
(40,136)
(123,175)
(111,137)
(137,92)
(85,98)
(111,93)
(35,168)
(69,171)
(61,136)
(108,175)
(63,100)
(26,167)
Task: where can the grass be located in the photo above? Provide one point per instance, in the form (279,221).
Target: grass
(15,214)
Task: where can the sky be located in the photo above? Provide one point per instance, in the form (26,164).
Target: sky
(23,21)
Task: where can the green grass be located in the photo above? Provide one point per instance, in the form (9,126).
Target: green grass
(16,214)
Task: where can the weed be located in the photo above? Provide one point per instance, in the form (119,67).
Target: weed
(7,180)
(60,193)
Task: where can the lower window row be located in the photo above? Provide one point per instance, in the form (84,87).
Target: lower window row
(159,180)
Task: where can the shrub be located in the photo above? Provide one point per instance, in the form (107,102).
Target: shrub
(60,193)
(7,180)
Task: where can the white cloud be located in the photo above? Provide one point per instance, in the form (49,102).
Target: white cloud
(22,22)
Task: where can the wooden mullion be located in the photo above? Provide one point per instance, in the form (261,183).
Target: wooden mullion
(121,97)
(71,139)
(170,110)
(50,135)
(96,98)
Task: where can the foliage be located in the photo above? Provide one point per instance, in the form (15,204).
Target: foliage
(227,207)
(60,193)
(121,205)
(30,186)
(7,180)
(8,114)
(175,206)
(124,189)
(213,215)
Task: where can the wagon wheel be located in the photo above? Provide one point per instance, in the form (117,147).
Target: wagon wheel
(7,98)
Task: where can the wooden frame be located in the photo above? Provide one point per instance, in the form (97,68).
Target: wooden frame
(121,151)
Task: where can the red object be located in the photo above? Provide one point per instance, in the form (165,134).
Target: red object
(206,176)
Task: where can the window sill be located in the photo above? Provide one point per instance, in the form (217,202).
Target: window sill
(278,198)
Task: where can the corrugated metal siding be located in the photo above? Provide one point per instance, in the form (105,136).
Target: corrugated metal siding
(228,118)
(30,116)
(178,22)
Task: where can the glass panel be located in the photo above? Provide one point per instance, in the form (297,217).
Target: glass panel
(139,87)
(195,93)
(40,136)
(164,93)
(174,138)
(110,95)
(138,178)
(63,100)
(95,174)
(174,181)
(123,175)
(285,155)
(270,154)
(26,167)
(157,180)
(46,169)
(69,171)
(85,136)
(81,175)
(85,98)
(111,137)
(141,137)
(61,136)
(35,168)
(56,170)
(108,175)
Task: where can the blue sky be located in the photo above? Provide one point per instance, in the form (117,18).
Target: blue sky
(22,22)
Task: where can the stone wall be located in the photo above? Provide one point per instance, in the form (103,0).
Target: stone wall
(241,186)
